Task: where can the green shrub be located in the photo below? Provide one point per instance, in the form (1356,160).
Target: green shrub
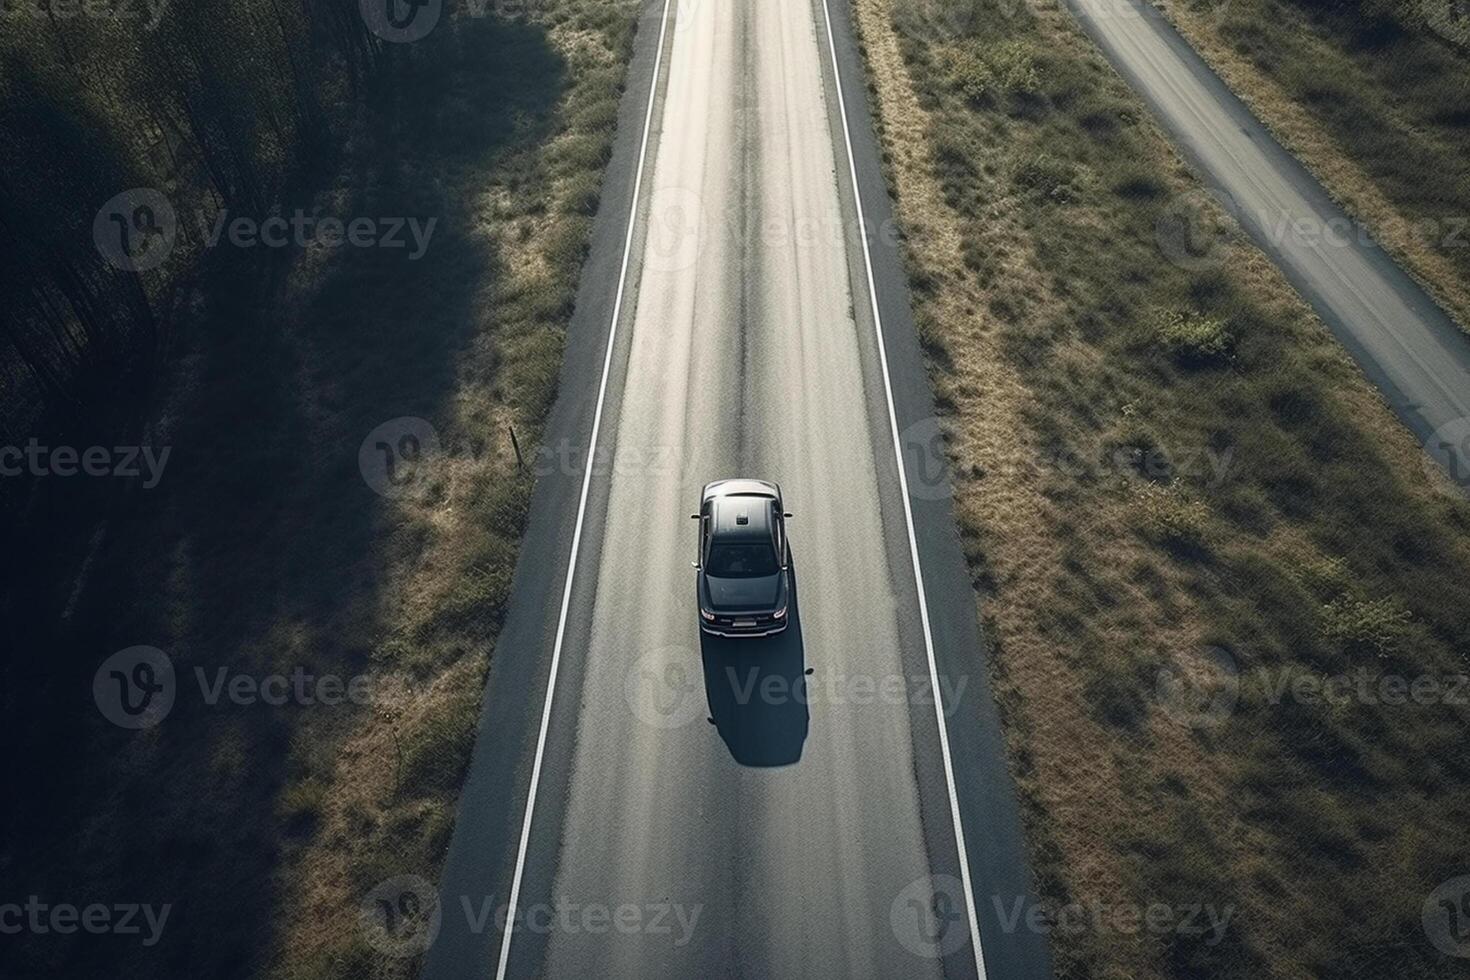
(1007,68)
(1371,624)
(1172,518)
(1014,69)
(583,191)
(1045,173)
(301,805)
(969,74)
(1193,339)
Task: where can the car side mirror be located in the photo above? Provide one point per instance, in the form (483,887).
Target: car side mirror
(694,517)
(788,514)
(694,563)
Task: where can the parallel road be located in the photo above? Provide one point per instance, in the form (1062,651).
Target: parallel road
(1403,342)
(645,801)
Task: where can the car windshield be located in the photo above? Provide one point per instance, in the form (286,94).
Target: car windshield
(741,560)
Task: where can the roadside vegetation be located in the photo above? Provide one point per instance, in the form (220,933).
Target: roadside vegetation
(1178,496)
(1374,98)
(267,547)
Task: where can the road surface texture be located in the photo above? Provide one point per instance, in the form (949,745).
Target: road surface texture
(1401,339)
(685,806)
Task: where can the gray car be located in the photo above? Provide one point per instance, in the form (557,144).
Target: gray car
(743,572)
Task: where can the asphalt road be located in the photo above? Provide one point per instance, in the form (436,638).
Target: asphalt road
(744,362)
(645,801)
(1403,342)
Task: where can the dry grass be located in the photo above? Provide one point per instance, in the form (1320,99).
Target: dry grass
(1124,507)
(1378,137)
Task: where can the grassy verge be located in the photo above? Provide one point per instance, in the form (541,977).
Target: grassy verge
(1178,496)
(271,547)
(1374,100)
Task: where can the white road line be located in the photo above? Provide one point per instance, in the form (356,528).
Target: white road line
(566,596)
(908,514)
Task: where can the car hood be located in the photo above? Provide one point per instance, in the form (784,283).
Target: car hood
(744,594)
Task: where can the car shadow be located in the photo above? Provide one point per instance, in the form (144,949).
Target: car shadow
(756,688)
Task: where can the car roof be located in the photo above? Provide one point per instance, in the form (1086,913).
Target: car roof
(742,517)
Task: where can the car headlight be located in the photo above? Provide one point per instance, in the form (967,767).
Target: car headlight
(779,613)
(708,616)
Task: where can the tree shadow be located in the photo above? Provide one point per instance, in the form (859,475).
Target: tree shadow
(262,548)
(757,693)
